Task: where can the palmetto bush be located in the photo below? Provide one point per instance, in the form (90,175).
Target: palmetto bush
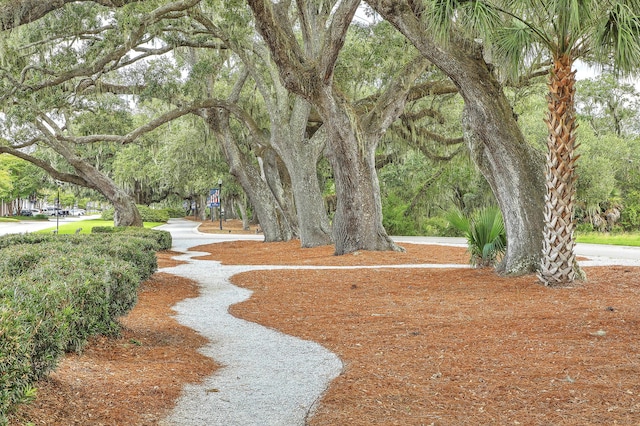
(485,234)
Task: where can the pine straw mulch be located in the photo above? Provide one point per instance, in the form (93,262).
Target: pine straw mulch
(419,346)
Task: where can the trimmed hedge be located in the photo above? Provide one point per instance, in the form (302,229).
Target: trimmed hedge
(148,214)
(58,290)
(162,238)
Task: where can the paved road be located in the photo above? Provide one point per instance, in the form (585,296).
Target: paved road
(598,254)
(35,225)
(185,234)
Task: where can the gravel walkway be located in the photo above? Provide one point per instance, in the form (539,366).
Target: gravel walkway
(267,378)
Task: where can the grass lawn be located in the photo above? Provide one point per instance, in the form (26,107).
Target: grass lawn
(626,239)
(23,218)
(87,225)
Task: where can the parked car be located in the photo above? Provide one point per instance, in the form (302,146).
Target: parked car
(54,211)
(77,212)
(26,213)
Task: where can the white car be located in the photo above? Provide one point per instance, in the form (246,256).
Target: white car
(77,212)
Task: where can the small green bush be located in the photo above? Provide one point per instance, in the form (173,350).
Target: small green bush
(153,215)
(14,239)
(103,230)
(162,238)
(18,259)
(584,227)
(394,220)
(15,359)
(107,214)
(148,214)
(439,227)
(175,212)
(139,251)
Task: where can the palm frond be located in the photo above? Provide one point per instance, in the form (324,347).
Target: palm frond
(480,17)
(458,221)
(619,37)
(441,15)
(486,239)
(512,43)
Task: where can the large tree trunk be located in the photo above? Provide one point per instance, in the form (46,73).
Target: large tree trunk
(512,167)
(243,215)
(313,222)
(308,72)
(559,264)
(300,156)
(357,224)
(277,178)
(273,221)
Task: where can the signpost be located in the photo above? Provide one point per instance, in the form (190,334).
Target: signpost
(214,200)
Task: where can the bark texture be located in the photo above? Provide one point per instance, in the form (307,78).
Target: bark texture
(351,137)
(559,264)
(512,167)
(300,155)
(273,220)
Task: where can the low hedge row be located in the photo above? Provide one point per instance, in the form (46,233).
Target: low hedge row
(162,238)
(58,290)
(148,214)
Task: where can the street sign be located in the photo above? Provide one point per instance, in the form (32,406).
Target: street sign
(214,198)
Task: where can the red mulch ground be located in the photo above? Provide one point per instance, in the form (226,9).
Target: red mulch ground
(420,346)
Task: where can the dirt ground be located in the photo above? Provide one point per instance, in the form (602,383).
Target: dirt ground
(419,346)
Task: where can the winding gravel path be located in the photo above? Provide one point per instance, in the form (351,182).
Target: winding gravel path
(267,378)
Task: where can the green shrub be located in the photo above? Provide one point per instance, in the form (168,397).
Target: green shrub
(153,215)
(148,214)
(584,227)
(162,238)
(103,229)
(15,360)
(18,259)
(139,251)
(56,294)
(107,214)
(440,227)
(394,220)
(175,212)
(630,218)
(486,239)
(14,239)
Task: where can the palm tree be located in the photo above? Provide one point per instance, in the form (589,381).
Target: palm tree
(560,31)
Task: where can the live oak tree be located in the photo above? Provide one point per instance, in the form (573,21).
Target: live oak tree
(39,91)
(306,66)
(609,105)
(14,13)
(510,165)
(280,134)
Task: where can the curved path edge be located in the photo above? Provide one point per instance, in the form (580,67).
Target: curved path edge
(267,377)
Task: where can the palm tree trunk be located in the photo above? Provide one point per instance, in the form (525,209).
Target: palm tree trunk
(559,264)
